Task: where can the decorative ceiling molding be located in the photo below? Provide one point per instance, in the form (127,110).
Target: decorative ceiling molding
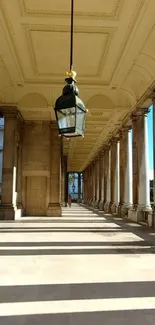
(113,15)
(135,21)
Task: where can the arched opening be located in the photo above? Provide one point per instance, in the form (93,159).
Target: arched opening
(75,186)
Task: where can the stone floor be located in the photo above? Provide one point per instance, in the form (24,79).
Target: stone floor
(79,269)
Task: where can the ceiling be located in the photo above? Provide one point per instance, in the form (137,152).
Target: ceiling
(114,56)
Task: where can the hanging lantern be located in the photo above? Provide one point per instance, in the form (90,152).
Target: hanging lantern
(69,109)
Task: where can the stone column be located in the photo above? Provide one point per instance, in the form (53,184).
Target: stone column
(143,157)
(19,170)
(135,161)
(114,174)
(117,180)
(79,187)
(84,186)
(100,178)
(107,179)
(128,172)
(153,100)
(105,176)
(54,209)
(64,182)
(91,185)
(97,170)
(13,120)
(87,186)
(141,192)
(101,204)
(123,160)
(94,183)
(125,171)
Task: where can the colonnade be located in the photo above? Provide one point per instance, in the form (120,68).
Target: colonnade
(117,181)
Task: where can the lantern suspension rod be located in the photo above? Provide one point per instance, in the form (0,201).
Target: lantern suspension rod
(71,35)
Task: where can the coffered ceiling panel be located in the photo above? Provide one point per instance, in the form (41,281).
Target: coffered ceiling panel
(50,50)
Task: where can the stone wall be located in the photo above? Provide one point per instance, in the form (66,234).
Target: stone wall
(36,168)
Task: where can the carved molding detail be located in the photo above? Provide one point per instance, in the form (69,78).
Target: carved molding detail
(113,15)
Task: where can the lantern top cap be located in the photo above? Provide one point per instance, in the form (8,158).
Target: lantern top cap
(71,74)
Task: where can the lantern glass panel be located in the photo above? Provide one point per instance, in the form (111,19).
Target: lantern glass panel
(66,118)
(80,121)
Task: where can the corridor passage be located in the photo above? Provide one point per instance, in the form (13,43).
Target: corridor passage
(79,269)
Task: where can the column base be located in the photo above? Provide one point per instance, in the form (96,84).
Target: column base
(93,204)
(54,210)
(144,214)
(153,218)
(9,212)
(64,204)
(123,210)
(110,207)
(89,203)
(106,207)
(101,206)
(114,207)
(96,205)
(141,214)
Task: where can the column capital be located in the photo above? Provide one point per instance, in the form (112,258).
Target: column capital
(11,112)
(98,157)
(102,151)
(124,130)
(153,96)
(114,140)
(53,125)
(139,112)
(107,146)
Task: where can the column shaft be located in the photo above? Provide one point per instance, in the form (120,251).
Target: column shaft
(97,183)
(84,186)
(79,187)
(64,181)
(128,172)
(107,179)
(91,185)
(141,193)
(94,183)
(125,171)
(54,208)
(153,99)
(135,161)
(101,205)
(10,172)
(114,175)
(143,154)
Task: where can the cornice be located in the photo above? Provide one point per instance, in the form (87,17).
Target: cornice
(11,112)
